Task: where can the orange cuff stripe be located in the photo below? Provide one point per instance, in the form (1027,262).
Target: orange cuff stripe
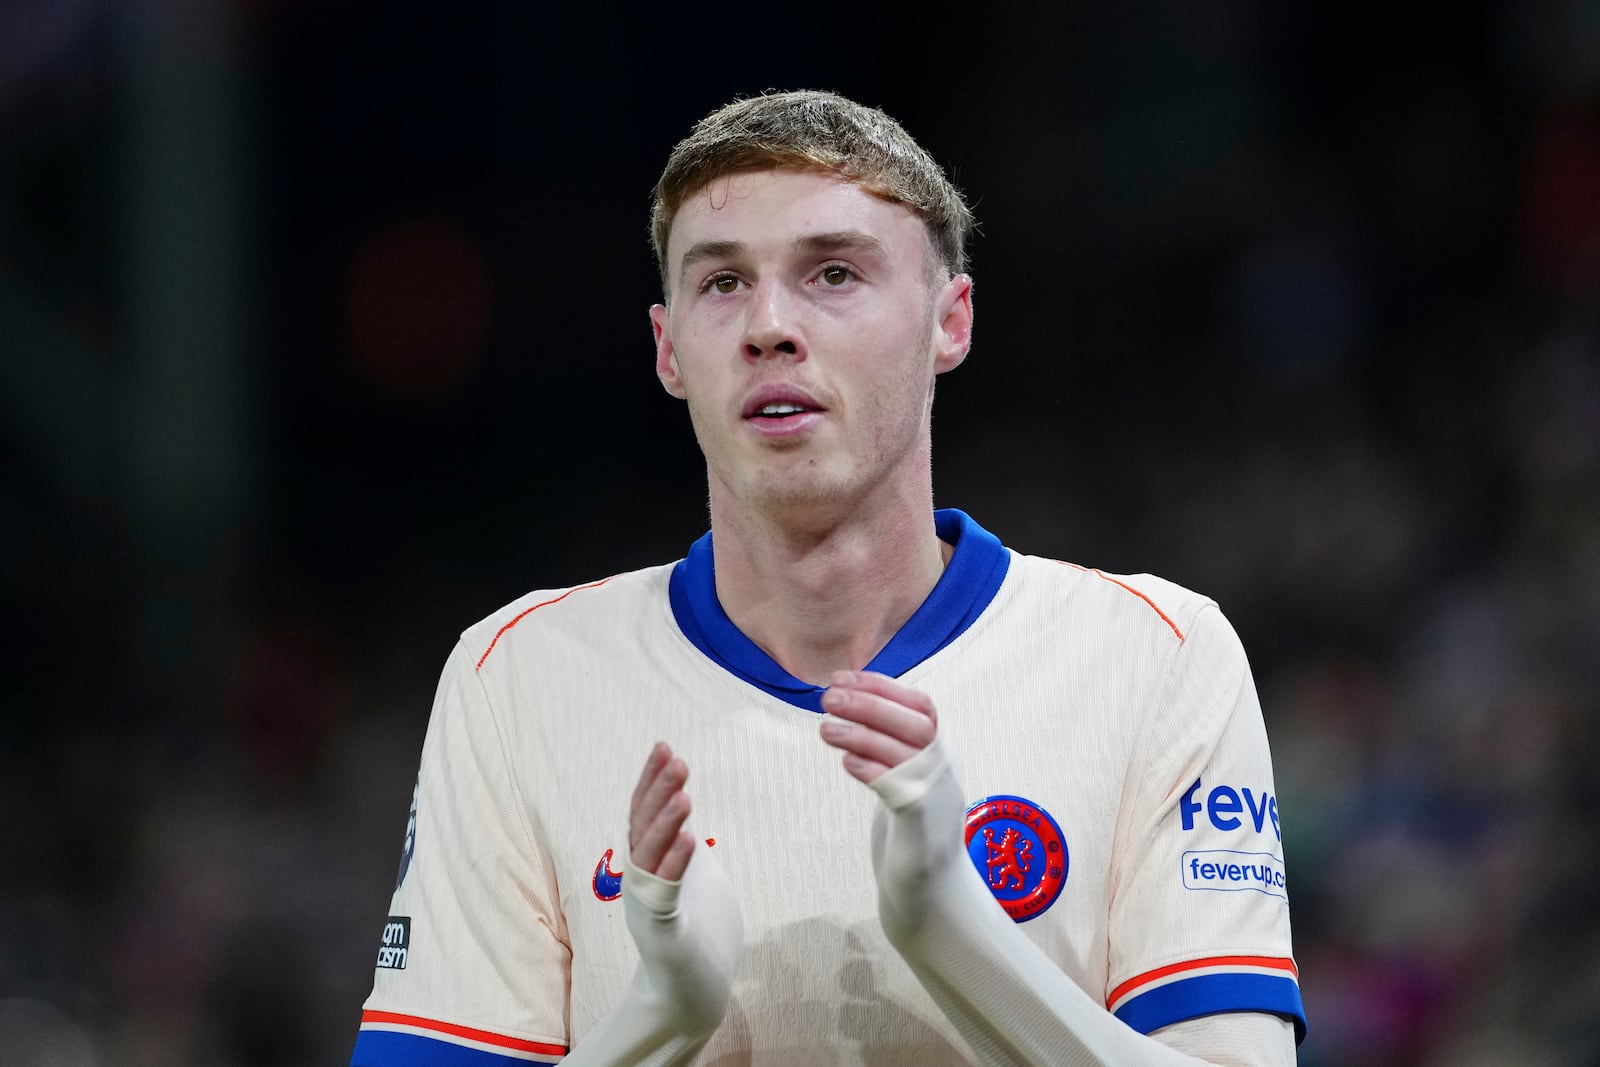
(1277,963)
(536,607)
(485,1036)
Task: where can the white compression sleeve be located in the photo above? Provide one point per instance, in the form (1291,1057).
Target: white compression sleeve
(690,935)
(1006,998)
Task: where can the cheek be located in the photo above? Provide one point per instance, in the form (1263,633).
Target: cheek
(898,397)
(697,349)
(704,405)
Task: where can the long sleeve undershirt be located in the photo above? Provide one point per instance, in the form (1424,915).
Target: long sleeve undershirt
(690,935)
(1006,998)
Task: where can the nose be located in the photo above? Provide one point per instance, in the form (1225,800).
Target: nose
(772,326)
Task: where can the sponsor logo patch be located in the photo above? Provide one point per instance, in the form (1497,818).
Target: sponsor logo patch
(1226,871)
(411,838)
(396,943)
(1020,852)
(1228,809)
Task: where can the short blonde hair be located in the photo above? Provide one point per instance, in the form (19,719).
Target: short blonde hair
(814,130)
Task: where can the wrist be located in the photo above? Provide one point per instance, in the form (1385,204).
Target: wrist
(903,786)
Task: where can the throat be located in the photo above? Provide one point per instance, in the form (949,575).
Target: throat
(828,611)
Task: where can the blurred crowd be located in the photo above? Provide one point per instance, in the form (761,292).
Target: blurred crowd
(322,336)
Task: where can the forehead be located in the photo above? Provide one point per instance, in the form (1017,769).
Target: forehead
(768,210)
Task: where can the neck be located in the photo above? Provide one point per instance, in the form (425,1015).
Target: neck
(826,594)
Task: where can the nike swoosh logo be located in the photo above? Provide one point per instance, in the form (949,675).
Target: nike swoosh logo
(607,883)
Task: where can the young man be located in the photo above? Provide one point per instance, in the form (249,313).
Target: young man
(1053,838)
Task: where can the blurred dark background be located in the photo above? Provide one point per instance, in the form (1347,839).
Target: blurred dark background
(323,334)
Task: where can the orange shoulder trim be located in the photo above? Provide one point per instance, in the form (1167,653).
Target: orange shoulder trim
(1102,574)
(525,613)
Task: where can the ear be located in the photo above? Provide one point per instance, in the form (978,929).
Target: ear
(666,358)
(953,329)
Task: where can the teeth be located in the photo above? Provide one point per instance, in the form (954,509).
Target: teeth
(781,409)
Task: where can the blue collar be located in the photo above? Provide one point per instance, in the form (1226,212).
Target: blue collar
(970,581)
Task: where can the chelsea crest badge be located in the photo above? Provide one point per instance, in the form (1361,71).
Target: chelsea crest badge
(1020,852)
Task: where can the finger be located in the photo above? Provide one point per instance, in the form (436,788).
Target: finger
(888,688)
(888,716)
(865,743)
(861,769)
(668,781)
(660,753)
(676,859)
(661,836)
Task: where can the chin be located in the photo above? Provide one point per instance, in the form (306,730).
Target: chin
(790,489)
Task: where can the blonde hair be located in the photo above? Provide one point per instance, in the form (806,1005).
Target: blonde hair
(821,131)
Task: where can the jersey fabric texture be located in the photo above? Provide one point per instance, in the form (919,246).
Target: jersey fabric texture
(1120,707)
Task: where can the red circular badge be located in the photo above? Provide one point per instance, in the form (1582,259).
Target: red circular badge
(1020,851)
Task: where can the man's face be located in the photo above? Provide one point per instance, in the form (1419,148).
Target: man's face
(805,330)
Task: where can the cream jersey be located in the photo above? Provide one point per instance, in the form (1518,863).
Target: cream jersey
(1121,809)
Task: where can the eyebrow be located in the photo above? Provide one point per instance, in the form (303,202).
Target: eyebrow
(816,243)
(707,250)
(841,241)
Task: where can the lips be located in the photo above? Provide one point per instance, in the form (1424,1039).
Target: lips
(774,403)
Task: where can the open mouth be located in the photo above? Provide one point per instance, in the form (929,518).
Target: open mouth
(777,404)
(780,410)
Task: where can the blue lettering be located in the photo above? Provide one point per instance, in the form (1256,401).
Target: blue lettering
(1188,808)
(1257,815)
(1244,870)
(1223,804)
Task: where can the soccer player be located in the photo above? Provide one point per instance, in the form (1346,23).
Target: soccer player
(951,803)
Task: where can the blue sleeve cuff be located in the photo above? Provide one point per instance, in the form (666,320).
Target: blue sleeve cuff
(1211,994)
(387,1048)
